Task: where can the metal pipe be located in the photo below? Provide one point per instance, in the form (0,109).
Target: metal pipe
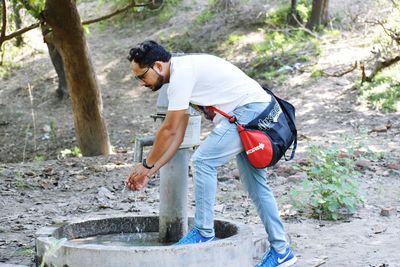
(173,191)
(139,144)
(174,197)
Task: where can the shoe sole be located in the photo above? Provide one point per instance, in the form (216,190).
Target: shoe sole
(289,262)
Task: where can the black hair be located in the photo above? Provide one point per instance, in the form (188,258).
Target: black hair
(148,52)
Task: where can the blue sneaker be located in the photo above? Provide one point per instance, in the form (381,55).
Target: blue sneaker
(193,237)
(274,259)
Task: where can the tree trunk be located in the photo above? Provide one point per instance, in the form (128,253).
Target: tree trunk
(17,22)
(319,14)
(68,38)
(62,89)
(293,18)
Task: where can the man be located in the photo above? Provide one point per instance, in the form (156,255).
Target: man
(203,81)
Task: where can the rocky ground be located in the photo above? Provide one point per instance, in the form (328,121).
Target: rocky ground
(42,192)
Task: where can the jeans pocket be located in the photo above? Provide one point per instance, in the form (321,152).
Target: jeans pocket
(222,129)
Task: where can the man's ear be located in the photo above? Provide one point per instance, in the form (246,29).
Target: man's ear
(159,66)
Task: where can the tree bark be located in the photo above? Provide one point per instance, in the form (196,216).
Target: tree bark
(62,89)
(379,65)
(319,14)
(56,60)
(68,38)
(293,18)
(3,21)
(17,21)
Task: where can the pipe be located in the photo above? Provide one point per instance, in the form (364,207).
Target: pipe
(173,191)
(174,197)
(139,144)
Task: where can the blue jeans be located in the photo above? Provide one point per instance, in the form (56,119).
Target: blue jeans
(221,146)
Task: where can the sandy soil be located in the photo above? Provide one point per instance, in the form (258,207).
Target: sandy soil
(39,193)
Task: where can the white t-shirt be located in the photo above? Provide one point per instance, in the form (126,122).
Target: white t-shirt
(207,80)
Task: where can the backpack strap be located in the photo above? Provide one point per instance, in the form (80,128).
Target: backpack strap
(232,119)
(294,146)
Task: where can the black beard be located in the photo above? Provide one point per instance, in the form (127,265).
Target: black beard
(160,83)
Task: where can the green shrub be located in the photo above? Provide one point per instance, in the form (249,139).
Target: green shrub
(304,9)
(383,93)
(285,48)
(233,39)
(74,152)
(179,43)
(168,10)
(24,252)
(21,183)
(317,73)
(278,18)
(52,250)
(282,50)
(39,157)
(204,16)
(331,189)
(8,53)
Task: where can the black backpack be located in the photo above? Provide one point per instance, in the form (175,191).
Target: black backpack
(279,126)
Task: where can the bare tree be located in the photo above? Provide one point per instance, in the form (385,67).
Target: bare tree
(3,21)
(17,20)
(294,18)
(62,89)
(56,60)
(63,33)
(67,36)
(319,14)
(384,55)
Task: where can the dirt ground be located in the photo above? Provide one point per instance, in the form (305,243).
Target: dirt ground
(36,193)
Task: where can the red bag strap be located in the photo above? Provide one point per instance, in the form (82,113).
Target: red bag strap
(232,119)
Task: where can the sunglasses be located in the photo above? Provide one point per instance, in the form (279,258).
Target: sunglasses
(141,77)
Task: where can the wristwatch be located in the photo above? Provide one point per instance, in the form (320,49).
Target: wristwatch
(144,163)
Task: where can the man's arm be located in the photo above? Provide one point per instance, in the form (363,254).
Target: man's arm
(170,152)
(168,138)
(167,141)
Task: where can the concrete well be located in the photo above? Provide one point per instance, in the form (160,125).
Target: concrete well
(61,246)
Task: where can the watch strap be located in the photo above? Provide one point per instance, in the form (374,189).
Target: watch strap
(144,163)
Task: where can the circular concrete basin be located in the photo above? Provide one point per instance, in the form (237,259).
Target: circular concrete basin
(132,241)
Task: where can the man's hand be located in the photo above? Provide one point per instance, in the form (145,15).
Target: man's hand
(209,113)
(167,141)
(138,178)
